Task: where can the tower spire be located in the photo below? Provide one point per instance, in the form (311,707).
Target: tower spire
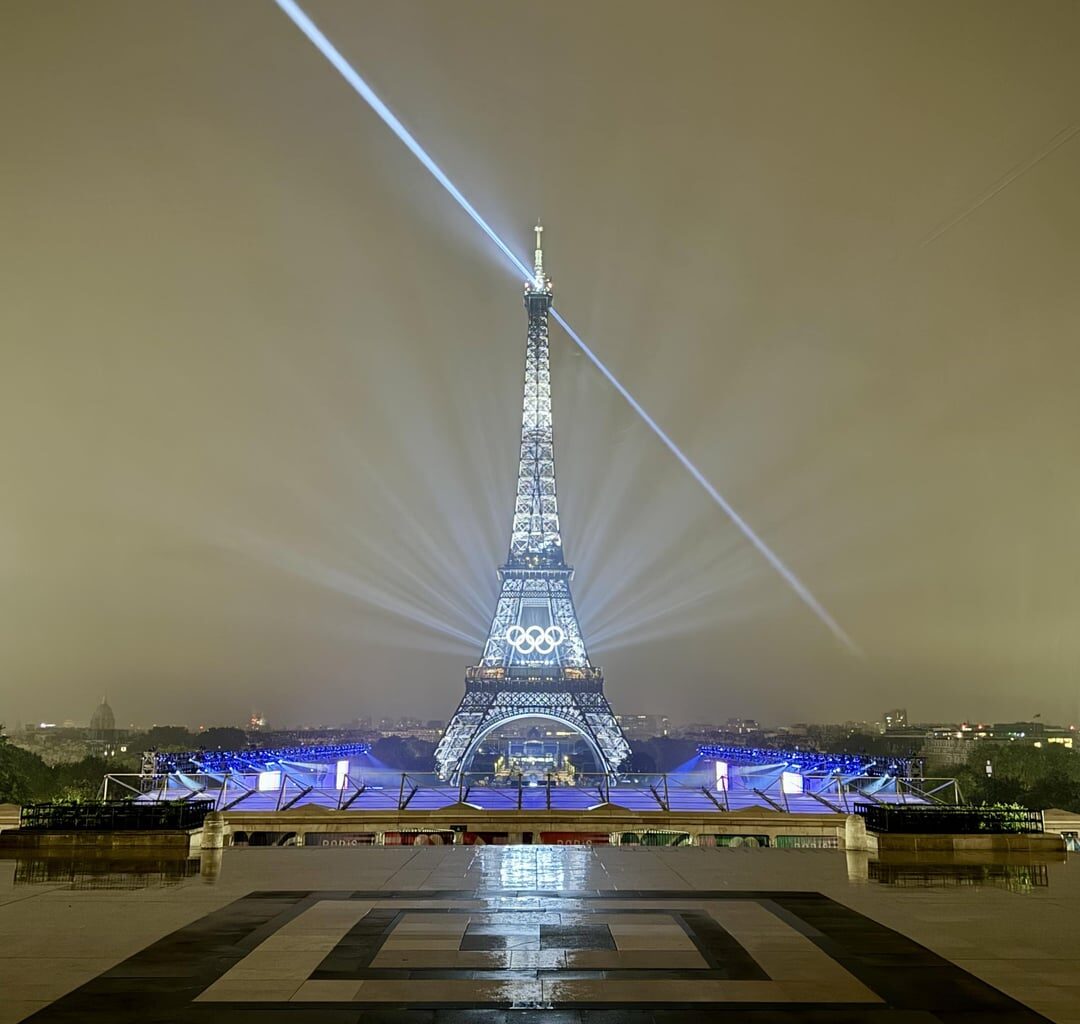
(538,254)
(535,539)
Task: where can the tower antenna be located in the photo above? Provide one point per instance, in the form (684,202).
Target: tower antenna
(538,253)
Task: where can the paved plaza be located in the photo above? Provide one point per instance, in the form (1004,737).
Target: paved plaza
(484,934)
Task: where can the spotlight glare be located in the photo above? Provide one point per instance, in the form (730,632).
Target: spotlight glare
(353,78)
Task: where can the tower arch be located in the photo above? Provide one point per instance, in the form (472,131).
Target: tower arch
(495,724)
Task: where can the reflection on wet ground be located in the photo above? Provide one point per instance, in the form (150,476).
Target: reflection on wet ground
(72,871)
(1013,872)
(103,874)
(537,867)
(559,868)
(1013,877)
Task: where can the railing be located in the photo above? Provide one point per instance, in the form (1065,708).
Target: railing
(651,837)
(939,820)
(113,816)
(523,789)
(535,674)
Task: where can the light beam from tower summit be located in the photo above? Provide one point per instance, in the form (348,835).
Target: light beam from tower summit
(534,663)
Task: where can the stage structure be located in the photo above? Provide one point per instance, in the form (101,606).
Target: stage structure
(785,778)
(345,777)
(282,777)
(534,664)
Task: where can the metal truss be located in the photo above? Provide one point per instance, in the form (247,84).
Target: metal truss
(481,711)
(518,677)
(535,539)
(838,792)
(539,597)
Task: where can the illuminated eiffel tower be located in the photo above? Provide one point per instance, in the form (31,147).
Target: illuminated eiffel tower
(534,663)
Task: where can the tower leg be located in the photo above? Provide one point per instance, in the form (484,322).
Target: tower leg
(461,733)
(478,714)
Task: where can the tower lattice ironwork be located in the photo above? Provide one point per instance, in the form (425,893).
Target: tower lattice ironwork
(534,662)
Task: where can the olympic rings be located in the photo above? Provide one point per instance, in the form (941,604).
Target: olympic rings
(535,639)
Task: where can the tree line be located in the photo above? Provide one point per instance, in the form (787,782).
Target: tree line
(26,778)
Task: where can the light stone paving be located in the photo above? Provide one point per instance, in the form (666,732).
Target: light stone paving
(57,936)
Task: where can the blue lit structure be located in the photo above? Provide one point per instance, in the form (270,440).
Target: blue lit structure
(363,788)
(278,777)
(783,777)
(259,759)
(343,776)
(534,663)
(813,761)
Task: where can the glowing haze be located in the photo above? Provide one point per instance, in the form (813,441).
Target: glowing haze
(261,380)
(312,31)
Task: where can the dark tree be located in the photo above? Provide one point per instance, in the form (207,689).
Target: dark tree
(80,781)
(164,737)
(222,737)
(24,777)
(1037,777)
(641,761)
(391,751)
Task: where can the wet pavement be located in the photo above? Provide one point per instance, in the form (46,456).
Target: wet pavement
(526,933)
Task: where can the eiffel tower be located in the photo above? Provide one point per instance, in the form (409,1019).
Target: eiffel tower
(534,663)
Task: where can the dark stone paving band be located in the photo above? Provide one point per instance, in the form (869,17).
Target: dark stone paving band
(160,983)
(351,959)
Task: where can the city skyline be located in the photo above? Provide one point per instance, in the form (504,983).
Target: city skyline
(380,718)
(262,373)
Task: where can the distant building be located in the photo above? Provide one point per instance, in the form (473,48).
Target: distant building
(950,745)
(1065,740)
(895,719)
(644,727)
(103,723)
(946,749)
(1034,733)
(414,728)
(415,732)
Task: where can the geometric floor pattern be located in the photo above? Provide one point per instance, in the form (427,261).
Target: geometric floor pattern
(633,956)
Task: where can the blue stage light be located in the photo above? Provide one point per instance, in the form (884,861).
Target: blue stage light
(812,762)
(349,73)
(258,760)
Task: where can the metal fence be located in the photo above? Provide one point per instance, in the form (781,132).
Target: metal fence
(939,820)
(652,837)
(113,816)
(384,789)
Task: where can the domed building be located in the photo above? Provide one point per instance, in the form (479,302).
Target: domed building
(103,722)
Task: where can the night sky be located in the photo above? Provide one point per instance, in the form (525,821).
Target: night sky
(260,387)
